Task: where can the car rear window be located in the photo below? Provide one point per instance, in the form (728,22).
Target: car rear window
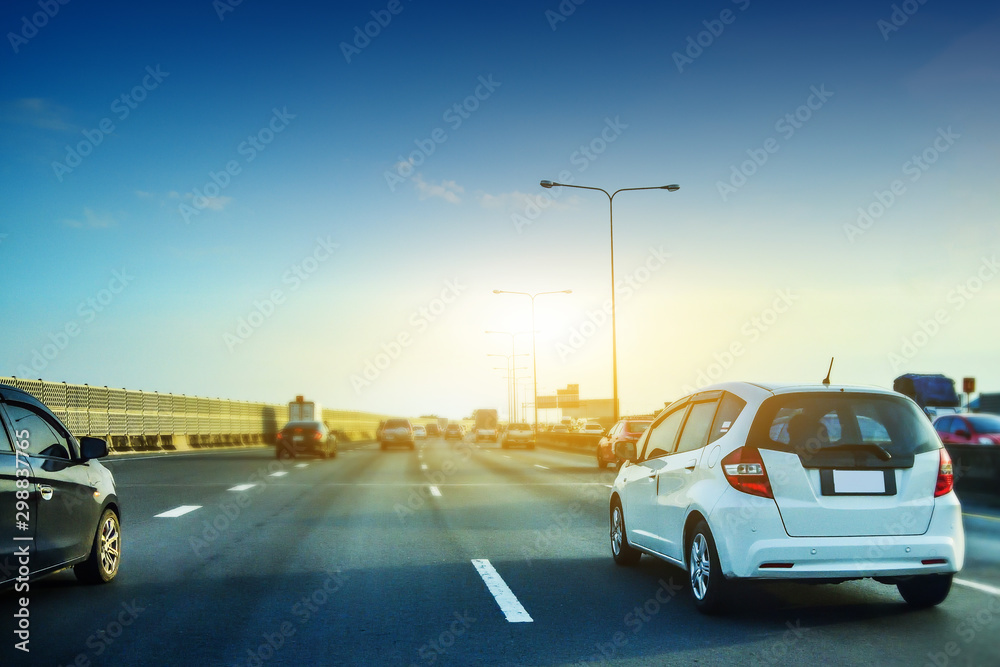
(637,427)
(519,427)
(312,425)
(844,425)
(984,423)
(397,423)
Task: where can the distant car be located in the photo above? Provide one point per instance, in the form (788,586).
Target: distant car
(519,435)
(71,515)
(748,481)
(397,433)
(560,428)
(306,438)
(453,432)
(592,429)
(419,432)
(378,430)
(626,430)
(969,429)
(433,431)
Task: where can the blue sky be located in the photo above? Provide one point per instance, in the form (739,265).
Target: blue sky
(779,126)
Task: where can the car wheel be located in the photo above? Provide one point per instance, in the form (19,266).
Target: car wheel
(384,446)
(283,454)
(412,446)
(926,590)
(620,549)
(105,554)
(708,585)
(531,446)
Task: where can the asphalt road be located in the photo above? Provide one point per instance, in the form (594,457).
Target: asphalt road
(358,560)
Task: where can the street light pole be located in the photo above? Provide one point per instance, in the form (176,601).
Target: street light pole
(611,205)
(534,355)
(513,395)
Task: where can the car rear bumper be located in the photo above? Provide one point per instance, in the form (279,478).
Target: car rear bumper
(753,544)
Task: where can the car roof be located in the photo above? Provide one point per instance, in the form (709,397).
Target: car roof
(8,393)
(774,388)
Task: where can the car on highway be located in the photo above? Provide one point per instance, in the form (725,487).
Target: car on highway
(592,428)
(744,481)
(60,505)
(560,428)
(419,432)
(378,429)
(433,431)
(486,425)
(519,435)
(305,438)
(626,430)
(453,432)
(969,429)
(397,433)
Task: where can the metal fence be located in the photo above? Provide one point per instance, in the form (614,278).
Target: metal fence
(142,420)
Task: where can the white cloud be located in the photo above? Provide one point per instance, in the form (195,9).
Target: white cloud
(91,219)
(214,203)
(447,190)
(518,202)
(37,112)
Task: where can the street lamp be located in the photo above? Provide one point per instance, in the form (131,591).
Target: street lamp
(611,205)
(511,359)
(512,335)
(534,356)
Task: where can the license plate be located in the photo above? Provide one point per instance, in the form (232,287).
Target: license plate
(859,481)
(296,438)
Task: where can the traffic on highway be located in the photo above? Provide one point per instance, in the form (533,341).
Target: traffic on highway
(547,332)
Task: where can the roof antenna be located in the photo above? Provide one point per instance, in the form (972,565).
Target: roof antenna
(826,380)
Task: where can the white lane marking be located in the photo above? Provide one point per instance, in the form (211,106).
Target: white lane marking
(279,473)
(542,467)
(609,486)
(985,588)
(505,456)
(423,466)
(981,516)
(435,491)
(509,604)
(177,511)
(305,465)
(242,487)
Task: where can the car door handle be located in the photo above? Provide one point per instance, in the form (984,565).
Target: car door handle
(691,464)
(45,491)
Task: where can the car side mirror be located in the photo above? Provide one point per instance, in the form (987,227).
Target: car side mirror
(626,450)
(962,433)
(93,448)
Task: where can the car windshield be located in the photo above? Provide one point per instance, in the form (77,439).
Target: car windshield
(519,427)
(807,423)
(984,423)
(637,427)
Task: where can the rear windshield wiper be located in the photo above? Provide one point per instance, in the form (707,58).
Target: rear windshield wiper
(877,450)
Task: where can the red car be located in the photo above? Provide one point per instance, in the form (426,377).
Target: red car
(626,430)
(969,429)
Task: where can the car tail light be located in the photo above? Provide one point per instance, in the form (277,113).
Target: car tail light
(744,470)
(946,475)
(317,435)
(280,435)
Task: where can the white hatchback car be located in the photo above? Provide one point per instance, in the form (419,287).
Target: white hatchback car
(814,483)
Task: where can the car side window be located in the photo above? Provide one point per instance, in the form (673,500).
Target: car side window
(42,436)
(697,426)
(663,436)
(729,409)
(5,445)
(944,425)
(958,424)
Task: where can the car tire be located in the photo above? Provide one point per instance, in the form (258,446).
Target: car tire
(283,454)
(531,446)
(621,551)
(925,590)
(709,587)
(413,446)
(102,564)
(384,446)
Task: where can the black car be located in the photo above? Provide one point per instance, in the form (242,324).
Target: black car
(306,438)
(397,432)
(433,431)
(58,504)
(453,432)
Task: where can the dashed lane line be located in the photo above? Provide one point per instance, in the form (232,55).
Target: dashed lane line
(242,487)
(509,604)
(177,511)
